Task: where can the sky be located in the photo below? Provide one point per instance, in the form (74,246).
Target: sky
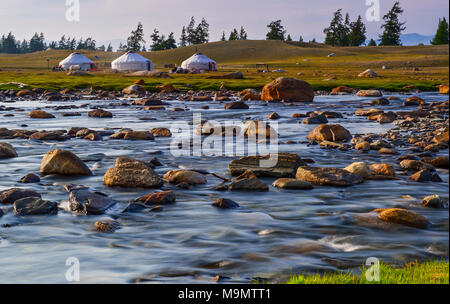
(106,20)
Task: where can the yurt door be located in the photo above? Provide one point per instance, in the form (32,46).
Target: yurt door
(149,66)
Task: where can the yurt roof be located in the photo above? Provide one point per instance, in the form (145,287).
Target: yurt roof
(199,57)
(76,58)
(131,57)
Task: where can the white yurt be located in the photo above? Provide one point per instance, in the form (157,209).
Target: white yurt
(132,61)
(199,61)
(76,59)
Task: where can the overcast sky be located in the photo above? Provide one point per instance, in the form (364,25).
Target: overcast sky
(114,19)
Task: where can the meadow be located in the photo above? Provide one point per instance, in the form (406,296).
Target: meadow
(417,67)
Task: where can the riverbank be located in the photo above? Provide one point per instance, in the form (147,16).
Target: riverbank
(431,272)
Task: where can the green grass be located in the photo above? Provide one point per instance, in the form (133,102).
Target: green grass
(432,272)
(310,59)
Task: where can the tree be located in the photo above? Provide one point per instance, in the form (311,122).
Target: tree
(109,48)
(441,36)
(191,32)
(202,32)
(170,42)
(357,35)
(223,37)
(372,43)
(136,39)
(242,34)
(183,38)
(156,40)
(337,33)
(289,38)
(392,27)
(234,35)
(36,43)
(300,39)
(276,31)
(9,44)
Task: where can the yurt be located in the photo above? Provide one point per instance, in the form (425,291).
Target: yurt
(76,59)
(199,61)
(132,61)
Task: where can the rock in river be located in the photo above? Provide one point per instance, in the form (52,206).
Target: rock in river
(328,176)
(40,114)
(330,133)
(158,198)
(7,151)
(403,217)
(292,183)
(224,203)
(358,168)
(63,163)
(34,206)
(9,196)
(273,165)
(30,178)
(288,89)
(433,201)
(106,225)
(131,173)
(184,176)
(83,201)
(248,184)
(99,113)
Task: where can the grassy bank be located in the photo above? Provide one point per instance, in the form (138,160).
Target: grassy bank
(421,66)
(432,272)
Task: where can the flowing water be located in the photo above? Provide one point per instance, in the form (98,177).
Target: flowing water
(272,235)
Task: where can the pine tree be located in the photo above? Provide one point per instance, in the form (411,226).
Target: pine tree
(183,38)
(136,38)
(392,27)
(191,33)
(276,31)
(202,32)
(156,40)
(234,35)
(357,35)
(170,43)
(300,39)
(372,43)
(289,38)
(337,33)
(109,48)
(223,37)
(441,36)
(242,34)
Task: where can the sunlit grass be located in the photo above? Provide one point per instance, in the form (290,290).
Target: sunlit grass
(432,272)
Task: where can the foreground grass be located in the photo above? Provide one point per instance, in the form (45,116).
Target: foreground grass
(431,65)
(432,272)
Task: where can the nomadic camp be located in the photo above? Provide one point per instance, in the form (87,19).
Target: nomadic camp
(199,62)
(77,60)
(132,61)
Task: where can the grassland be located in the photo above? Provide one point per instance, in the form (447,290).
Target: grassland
(421,66)
(432,272)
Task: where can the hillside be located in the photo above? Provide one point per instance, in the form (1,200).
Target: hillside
(420,66)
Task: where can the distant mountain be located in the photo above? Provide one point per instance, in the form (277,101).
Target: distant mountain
(407,39)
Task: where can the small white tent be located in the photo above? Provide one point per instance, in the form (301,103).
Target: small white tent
(132,61)
(76,59)
(199,62)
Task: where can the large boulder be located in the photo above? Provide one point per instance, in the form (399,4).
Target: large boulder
(443,89)
(328,176)
(7,151)
(368,74)
(288,89)
(131,173)
(9,196)
(63,162)
(329,133)
(278,165)
(34,206)
(358,168)
(49,135)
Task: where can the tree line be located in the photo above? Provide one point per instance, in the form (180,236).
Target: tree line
(341,32)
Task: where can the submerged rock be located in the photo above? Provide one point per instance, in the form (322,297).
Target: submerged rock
(433,201)
(184,176)
(425,176)
(99,113)
(292,183)
(224,203)
(403,217)
(7,151)
(49,135)
(248,184)
(158,198)
(328,176)
(63,162)
(106,225)
(34,206)
(274,165)
(30,178)
(9,196)
(131,173)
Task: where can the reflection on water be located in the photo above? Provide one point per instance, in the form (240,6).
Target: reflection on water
(271,235)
